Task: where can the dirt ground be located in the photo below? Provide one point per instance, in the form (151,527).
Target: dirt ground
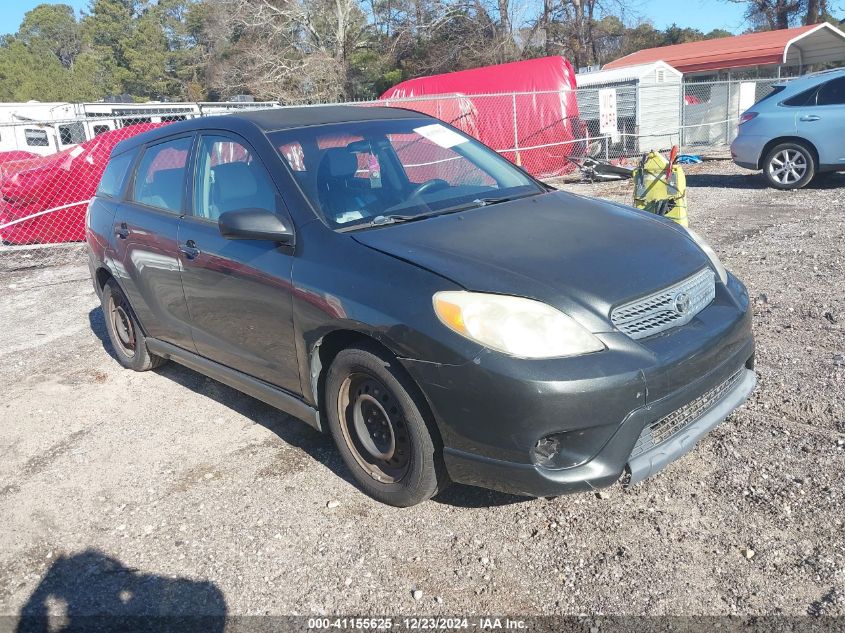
(167,492)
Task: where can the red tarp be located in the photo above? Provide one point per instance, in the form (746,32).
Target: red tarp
(534,130)
(60,185)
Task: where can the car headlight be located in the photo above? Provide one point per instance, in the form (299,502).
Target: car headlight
(514,325)
(711,254)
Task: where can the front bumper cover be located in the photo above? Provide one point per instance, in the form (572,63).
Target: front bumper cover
(657,458)
(491,412)
(613,461)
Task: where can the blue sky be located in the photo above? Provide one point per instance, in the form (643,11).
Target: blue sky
(12,11)
(701,14)
(704,15)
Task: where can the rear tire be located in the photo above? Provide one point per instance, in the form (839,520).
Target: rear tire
(379,423)
(127,339)
(789,165)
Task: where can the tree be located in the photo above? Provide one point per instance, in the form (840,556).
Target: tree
(305,47)
(53,28)
(319,50)
(782,14)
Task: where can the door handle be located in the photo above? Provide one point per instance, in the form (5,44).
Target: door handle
(122,231)
(810,117)
(189,249)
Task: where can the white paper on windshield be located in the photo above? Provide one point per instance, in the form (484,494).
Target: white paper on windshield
(440,135)
(76,151)
(348,216)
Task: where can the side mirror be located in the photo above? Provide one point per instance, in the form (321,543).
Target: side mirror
(254,224)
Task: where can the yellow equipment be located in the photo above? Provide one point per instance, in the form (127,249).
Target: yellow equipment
(660,187)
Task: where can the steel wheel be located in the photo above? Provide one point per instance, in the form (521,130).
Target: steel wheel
(788,166)
(373,428)
(122,327)
(128,344)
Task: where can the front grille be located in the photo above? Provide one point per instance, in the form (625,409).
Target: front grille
(668,308)
(663,429)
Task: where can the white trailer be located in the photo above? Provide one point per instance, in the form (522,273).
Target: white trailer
(45,128)
(648,104)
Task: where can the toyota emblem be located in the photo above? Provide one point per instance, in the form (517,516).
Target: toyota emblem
(682,303)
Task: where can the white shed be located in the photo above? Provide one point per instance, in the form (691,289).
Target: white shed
(648,104)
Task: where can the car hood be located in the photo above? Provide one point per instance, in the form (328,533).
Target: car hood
(581,255)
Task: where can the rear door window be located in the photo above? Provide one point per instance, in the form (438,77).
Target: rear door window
(114,175)
(832,93)
(160,177)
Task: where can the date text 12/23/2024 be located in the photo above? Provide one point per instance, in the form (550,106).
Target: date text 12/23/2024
(416,623)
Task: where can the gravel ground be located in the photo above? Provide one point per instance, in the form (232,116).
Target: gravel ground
(169,492)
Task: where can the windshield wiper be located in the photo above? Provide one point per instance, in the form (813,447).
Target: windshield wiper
(478,202)
(379,220)
(394,218)
(483,202)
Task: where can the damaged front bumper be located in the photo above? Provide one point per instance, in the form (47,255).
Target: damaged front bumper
(618,458)
(625,412)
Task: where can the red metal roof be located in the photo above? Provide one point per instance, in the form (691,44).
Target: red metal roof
(753,49)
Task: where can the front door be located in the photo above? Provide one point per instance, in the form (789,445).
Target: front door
(238,291)
(146,226)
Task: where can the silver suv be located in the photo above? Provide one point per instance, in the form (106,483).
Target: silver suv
(795,132)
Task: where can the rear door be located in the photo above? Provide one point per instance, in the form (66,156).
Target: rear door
(146,227)
(238,291)
(822,122)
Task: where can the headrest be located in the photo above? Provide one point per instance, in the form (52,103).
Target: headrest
(168,178)
(338,162)
(167,185)
(234,180)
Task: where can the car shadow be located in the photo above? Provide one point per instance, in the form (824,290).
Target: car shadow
(755,181)
(296,433)
(462,496)
(98,326)
(92,591)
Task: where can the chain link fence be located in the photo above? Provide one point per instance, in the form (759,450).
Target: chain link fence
(50,167)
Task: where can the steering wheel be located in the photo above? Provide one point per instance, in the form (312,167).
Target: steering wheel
(429,185)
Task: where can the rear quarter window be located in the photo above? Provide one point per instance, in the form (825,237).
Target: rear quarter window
(114,175)
(808,97)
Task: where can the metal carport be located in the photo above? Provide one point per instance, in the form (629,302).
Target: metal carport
(771,50)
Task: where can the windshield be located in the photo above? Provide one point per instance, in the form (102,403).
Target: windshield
(373,172)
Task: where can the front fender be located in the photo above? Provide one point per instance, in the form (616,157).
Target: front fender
(340,285)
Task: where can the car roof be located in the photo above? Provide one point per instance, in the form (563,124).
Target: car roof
(811,79)
(273,119)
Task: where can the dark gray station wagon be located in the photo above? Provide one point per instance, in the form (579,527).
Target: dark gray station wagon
(446,317)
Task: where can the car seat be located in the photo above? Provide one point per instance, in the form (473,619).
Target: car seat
(335,186)
(164,191)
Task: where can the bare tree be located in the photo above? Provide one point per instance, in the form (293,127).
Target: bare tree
(781,14)
(292,50)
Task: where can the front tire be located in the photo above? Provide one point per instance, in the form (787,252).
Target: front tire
(789,166)
(127,339)
(378,421)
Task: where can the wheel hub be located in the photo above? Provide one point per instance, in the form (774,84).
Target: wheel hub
(373,428)
(788,166)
